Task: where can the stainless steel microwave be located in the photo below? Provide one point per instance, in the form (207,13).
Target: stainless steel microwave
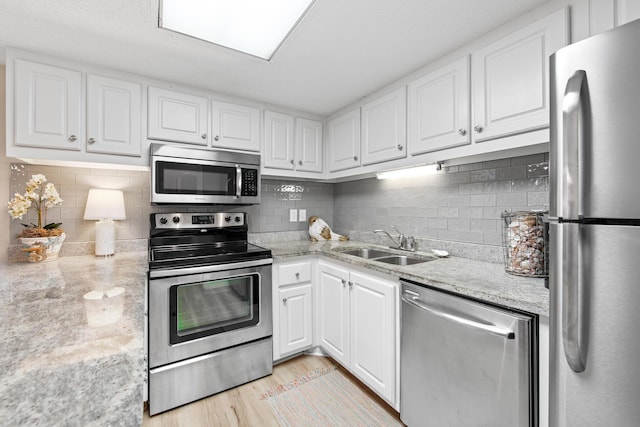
(182,175)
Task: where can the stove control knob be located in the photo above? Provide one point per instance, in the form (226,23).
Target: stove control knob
(163,220)
(176,219)
(227,218)
(238,218)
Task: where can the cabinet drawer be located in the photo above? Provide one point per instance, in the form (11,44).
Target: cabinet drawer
(294,273)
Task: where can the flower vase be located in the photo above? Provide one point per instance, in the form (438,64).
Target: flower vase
(42,249)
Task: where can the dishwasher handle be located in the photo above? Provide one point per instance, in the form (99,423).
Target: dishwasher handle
(489,328)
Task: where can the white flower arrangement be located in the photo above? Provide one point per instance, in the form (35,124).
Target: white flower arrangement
(40,195)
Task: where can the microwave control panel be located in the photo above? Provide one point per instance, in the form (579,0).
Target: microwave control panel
(249,182)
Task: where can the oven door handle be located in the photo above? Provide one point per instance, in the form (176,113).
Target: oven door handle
(238,181)
(184,271)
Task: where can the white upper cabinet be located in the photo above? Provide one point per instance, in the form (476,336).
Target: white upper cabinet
(278,141)
(627,11)
(235,126)
(344,141)
(292,148)
(48,106)
(176,116)
(113,116)
(510,79)
(438,109)
(384,128)
(308,143)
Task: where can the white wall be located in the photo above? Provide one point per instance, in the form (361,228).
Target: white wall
(4,172)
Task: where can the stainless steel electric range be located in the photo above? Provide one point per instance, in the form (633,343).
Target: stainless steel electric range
(210,325)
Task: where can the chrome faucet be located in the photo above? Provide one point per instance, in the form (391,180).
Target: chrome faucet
(406,243)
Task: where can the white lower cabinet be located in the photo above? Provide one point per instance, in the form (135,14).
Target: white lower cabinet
(292,307)
(358,319)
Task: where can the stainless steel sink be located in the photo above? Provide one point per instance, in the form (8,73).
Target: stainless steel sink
(402,260)
(385,257)
(367,253)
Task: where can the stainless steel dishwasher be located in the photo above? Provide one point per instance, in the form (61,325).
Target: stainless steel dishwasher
(465,363)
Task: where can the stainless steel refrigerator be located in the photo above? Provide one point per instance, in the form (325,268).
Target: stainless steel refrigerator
(594,231)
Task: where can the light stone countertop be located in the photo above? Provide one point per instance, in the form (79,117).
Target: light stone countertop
(476,279)
(56,368)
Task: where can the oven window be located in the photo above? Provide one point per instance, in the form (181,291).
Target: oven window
(184,178)
(212,307)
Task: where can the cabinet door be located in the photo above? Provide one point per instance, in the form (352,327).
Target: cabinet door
(384,128)
(175,116)
(113,116)
(344,141)
(627,11)
(333,311)
(373,333)
(295,319)
(235,126)
(308,145)
(278,141)
(438,111)
(48,106)
(510,79)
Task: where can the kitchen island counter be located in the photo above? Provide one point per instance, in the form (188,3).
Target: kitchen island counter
(476,279)
(71,356)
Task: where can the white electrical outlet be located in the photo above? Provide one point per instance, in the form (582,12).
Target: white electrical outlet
(293,215)
(302,215)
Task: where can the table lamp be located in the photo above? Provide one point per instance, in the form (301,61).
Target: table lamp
(105,206)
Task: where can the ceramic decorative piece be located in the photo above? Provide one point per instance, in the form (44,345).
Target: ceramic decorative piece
(319,230)
(42,249)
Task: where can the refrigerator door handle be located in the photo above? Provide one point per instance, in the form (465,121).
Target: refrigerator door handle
(573,313)
(572,121)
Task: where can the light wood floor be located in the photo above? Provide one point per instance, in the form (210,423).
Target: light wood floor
(242,406)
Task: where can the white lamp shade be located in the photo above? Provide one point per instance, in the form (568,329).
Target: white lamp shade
(104,204)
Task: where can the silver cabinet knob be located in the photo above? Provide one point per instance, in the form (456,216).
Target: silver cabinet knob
(72,138)
(297,275)
(300,162)
(284,300)
(477,128)
(291,161)
(355,158)
(344,282)
(350,284)
(204,136)
(91,141)
(217,138)
(462,132)
(400,147)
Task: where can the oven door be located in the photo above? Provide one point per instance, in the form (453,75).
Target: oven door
(196,314)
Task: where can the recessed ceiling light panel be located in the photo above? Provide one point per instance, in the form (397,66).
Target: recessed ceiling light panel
(256,27)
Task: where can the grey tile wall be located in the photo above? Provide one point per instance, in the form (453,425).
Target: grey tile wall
(73,184)
(457,208)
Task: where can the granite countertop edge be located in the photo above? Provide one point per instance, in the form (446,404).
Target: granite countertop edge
(480,280)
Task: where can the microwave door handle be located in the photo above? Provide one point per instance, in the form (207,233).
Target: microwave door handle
(238,181)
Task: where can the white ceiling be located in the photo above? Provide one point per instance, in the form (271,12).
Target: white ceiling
(341,51)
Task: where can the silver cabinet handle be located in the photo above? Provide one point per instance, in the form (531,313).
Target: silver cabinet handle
(217,138)
(91,141)
(203,136)
(355,158)
(72,138)
(344,282)
(291,161)
(350,284)
(284,300)
(462,132)
(477,128)
(400,147)
(489,328)
(297,275)
(300,162)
